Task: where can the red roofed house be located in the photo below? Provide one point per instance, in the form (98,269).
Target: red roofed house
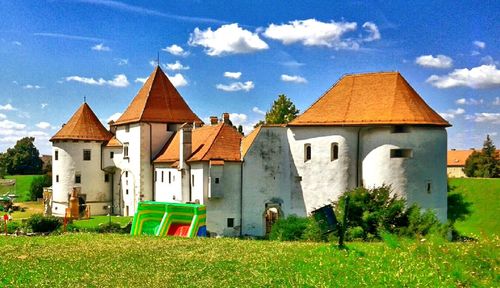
(367,130)
(456,162)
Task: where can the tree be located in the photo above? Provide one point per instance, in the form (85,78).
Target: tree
(23,159)
(282,111)
(485,163)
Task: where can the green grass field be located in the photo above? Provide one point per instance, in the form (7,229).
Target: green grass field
(99,260)
(113,260)
(484,194)
(23,184)
(94,221)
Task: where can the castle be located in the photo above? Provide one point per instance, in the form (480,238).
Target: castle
(367,130)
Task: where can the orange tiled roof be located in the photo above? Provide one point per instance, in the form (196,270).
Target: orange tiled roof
(83,125)
(246,142)
(158,101)
(383,98)
(458,157)
(218,142)
(113,142)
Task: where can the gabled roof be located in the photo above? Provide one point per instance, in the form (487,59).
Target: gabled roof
(114,143)
(158,101)
(246,142)
(218,142)
(383,98)
(83,125)
(457,158)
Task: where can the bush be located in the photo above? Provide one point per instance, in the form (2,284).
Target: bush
(109,228)
(43,224)
(288,229)
(36,188)
(13,226)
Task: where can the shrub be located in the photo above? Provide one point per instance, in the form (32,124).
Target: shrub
(288,229)
(109,228)
(40,223)
(13,226)
(36,188)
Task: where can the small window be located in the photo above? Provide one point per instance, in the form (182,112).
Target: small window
(126,191)
(216,180)
(169,177)
(230,222)
(86,155)
(111,154)
(162,176)
(126,174)
(399,129)
(401,153)
(78,178)
(429,187)
(156,174)
(335,151)
(127,128)
(57,178)
(106,177)
(56,155)
(307,152)
(192,180)
(125,150)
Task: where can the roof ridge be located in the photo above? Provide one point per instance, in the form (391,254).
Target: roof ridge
(149,90)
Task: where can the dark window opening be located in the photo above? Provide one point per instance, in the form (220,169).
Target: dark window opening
(192,180)
(78,179)
(401,153)
(216,180)
(126,174)
(106,177)
(230,222)
(429,187)
(156,174)
(162,176)
(86,155)
(57,178)
(169,177)
(400,129)
(307,152)
(126,191)
(111,154)
(335,151)
(56,155)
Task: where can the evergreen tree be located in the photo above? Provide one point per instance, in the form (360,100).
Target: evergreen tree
(23,159)
(485,163)
(282,111)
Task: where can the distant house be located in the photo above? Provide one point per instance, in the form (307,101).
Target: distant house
(456,162)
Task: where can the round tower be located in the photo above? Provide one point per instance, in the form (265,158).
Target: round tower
(76,154)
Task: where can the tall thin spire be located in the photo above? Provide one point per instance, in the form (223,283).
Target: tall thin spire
(158,58)
(84,99)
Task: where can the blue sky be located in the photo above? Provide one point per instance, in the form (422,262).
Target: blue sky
(238,56)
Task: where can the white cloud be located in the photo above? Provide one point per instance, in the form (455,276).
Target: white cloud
(232,75)
(114,117)
(7,107)
(121,62)
(176,66)
(488,60)
(292,63)
(178,80)
(100,47)
(17,43)
(153,63)
(2,116)
(493,118)
(372,29)
(241,119)
(43,105)
(141,80)
(7,124)
(236,86)
(312,32)
(440,61)
(176,50)
(258,111)
(484,76)
(294,78)
(470,101)
(120,80)
(227,39)
(496,101)
(450,114)
(29,86)
(479,44)
(43,125)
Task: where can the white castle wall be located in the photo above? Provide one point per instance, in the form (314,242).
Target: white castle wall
(166,191)
(408,177)
(70,162)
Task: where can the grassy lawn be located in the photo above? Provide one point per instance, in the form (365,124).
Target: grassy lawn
(30,208)
(485,197)
(110,260)
(23,184)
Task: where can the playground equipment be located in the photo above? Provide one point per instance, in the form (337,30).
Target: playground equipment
(173,219)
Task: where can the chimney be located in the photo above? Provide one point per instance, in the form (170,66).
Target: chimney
(112,128)
(225,118)
(213,120)
(185,144)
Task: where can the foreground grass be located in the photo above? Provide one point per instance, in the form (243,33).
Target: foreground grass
(23,185)
(94,221)
(484,194)
(110,260)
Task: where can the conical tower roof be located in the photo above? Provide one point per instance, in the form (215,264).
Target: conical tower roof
(383,98)
(83,125)
(158,101)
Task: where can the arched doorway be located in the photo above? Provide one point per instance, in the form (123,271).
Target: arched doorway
(272,214)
